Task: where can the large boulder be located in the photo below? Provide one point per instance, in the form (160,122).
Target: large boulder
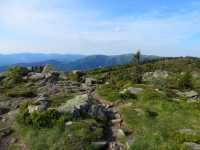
(191,94)
(48,68)
(132,90)
(76,106)
(96,111)
(158,73)
(37,77)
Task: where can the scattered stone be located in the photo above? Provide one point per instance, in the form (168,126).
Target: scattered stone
(101,144)
(48,68)
(116,121)
(52,76)
(187,131)
(116,146)
(29,84)
(178,92)
(193,146)
(120,133)
(3,110)
(161,92)
(130,141)
(177,100)
(139,111)
(132,90)
(191,94)
(37,77)
(69,123)
(118,115)
(13,141)
(192,101)
(107,83)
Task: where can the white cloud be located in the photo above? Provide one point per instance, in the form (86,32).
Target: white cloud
(77,29)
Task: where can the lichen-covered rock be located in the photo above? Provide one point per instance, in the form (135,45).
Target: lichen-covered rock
(37,77)
(191,94)
(193,146)
(187,131)
(158,73)
(48,68)
(96,111)
(76,106)
(132,90)
(120,133)
(161,92)
(139,111)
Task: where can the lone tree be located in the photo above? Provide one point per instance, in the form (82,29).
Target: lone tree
(15,73)
(136,57)
(138,70)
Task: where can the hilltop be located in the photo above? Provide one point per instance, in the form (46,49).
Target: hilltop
(152,104)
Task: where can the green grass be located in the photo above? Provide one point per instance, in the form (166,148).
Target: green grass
(155,130)
(76,136)
(57,100)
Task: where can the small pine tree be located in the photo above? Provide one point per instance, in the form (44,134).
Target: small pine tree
(15,74)
(185,81)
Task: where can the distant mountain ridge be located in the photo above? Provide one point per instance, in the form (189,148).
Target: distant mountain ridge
(87,63)
(10,59)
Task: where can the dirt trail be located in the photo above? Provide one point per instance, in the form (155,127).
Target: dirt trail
(113,123)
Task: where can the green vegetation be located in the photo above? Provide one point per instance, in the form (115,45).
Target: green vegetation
(47,130)
(15,74)
(57,100)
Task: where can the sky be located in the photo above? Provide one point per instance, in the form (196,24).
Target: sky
(111,27)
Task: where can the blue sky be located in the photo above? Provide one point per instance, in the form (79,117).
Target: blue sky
(157,27)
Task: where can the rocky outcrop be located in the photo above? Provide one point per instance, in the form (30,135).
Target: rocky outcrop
(77,105)
(158,73)
(48,68)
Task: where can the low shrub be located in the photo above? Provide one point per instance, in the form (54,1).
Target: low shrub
(127,95)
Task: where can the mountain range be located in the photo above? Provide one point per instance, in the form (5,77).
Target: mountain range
(70,62)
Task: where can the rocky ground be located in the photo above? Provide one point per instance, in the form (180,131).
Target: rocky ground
(50,83)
